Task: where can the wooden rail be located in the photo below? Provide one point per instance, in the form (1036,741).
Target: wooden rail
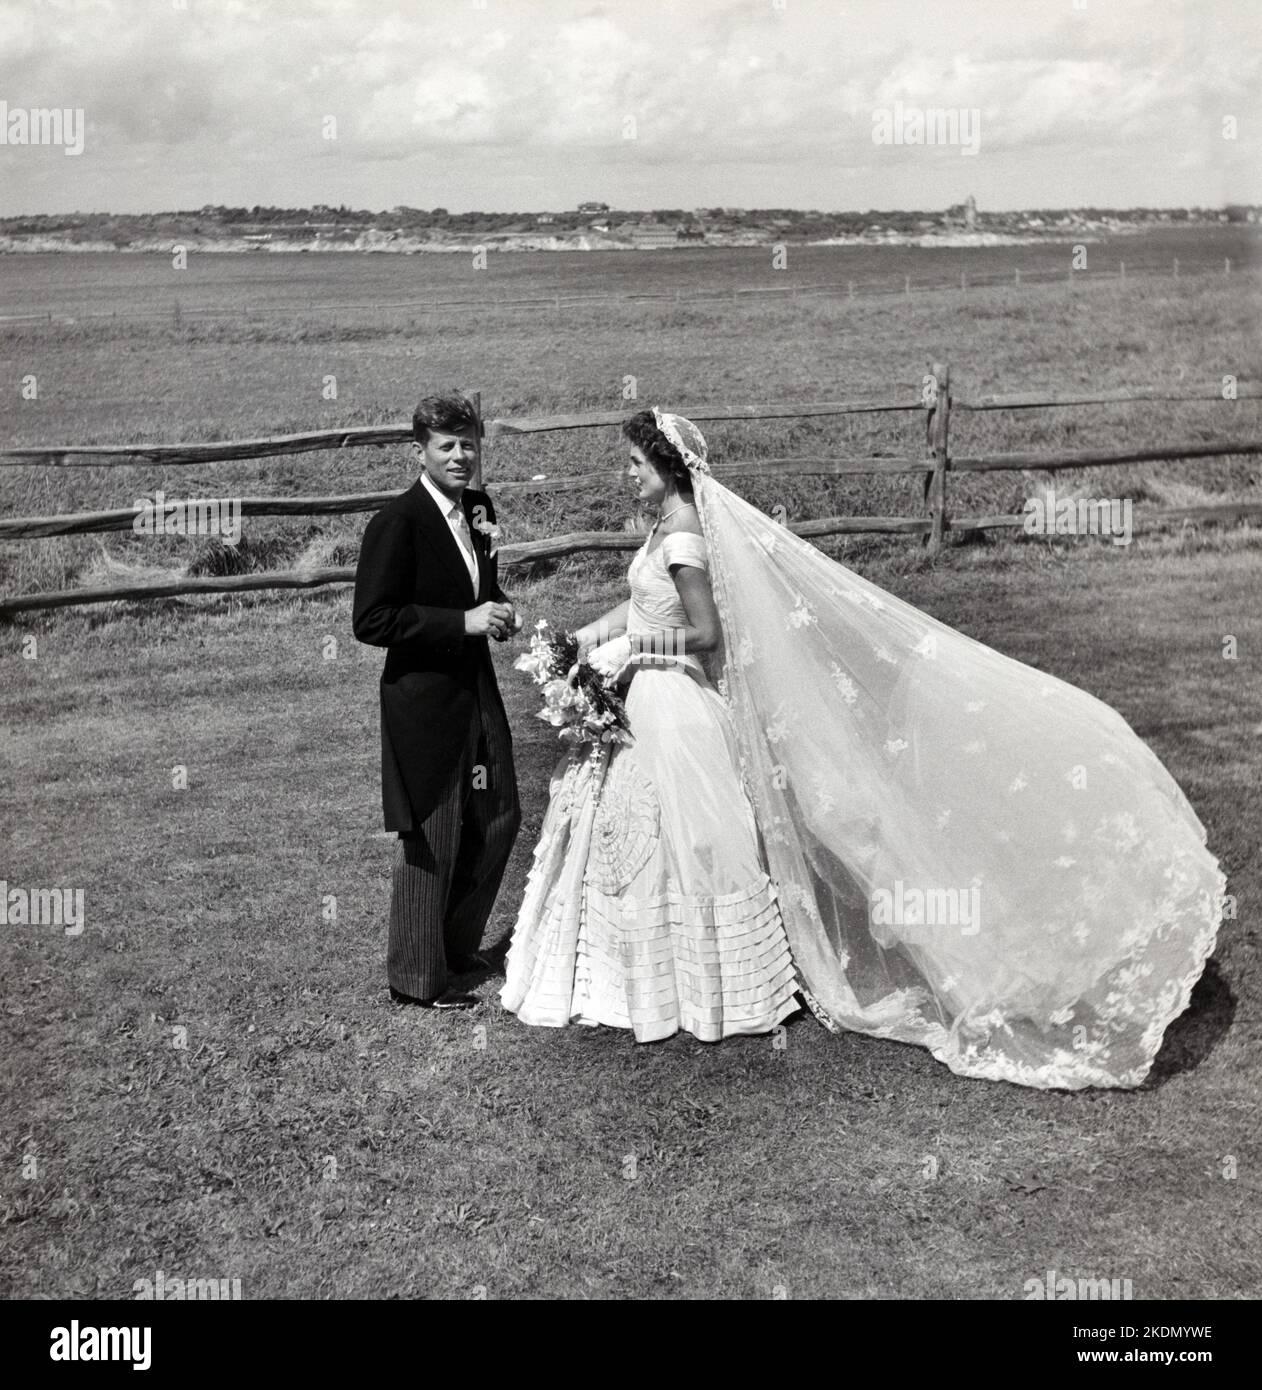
(375,436)
(1103,458)
(378,436)
(123,519)
(557,547)
(936,404)
(1022,401)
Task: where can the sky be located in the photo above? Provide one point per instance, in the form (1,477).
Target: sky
(532,105)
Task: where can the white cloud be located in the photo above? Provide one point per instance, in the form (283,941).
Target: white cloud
(537,87)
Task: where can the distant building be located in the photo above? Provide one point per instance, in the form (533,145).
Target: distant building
(544,219)
(593,207)
(648,236)
(961,214)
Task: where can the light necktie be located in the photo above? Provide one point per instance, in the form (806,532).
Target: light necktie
(460,525)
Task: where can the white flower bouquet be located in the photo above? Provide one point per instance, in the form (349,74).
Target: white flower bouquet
(578,701)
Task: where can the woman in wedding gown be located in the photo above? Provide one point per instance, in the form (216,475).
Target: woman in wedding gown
(932,842)
(648,906)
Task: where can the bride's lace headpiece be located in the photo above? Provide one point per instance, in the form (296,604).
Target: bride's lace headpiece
(685,437)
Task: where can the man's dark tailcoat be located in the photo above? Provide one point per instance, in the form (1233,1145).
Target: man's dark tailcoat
(412,589)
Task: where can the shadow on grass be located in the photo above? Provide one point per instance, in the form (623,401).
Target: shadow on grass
(145,612)
(1194,1035)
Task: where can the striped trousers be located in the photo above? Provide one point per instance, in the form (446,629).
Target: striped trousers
(447,872)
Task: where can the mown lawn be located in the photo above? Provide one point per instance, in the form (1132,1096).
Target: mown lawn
(211,1081)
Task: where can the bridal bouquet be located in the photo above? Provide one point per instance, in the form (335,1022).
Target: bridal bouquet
(579,702)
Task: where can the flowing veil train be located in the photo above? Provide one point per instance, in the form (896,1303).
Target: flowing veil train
(971,855)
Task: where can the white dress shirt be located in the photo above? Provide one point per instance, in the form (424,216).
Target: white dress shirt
(459,523)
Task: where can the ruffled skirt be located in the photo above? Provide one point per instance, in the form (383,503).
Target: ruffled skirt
(648,905)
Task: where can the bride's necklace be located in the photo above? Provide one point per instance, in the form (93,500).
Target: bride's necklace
(670,513)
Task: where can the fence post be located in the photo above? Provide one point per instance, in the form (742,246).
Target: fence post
(476,480)
(937,388)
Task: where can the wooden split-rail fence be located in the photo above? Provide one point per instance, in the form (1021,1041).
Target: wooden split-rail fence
(936,404)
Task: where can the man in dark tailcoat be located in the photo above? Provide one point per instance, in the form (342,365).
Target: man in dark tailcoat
(427,589)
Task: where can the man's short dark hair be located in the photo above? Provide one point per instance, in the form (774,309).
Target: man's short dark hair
(449,413)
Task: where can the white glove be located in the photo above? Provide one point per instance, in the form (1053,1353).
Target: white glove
(611,659)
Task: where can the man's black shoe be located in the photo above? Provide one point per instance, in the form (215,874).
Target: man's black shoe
(468,965)
(449,999)
(453,999)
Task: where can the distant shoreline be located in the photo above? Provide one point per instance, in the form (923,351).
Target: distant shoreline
(366,244)
(91,237)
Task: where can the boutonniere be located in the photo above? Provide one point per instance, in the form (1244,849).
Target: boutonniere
(489,529)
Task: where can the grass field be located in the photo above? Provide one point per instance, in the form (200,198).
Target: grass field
(210,1080)
(496,1158)
(290,285)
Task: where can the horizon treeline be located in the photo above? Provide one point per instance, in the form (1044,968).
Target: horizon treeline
(811,221)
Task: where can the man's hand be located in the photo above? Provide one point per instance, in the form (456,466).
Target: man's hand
(515,620)
(489,620)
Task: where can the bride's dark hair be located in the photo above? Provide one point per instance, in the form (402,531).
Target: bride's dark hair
(641,430)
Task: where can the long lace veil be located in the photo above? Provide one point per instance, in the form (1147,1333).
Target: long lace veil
(971,854)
